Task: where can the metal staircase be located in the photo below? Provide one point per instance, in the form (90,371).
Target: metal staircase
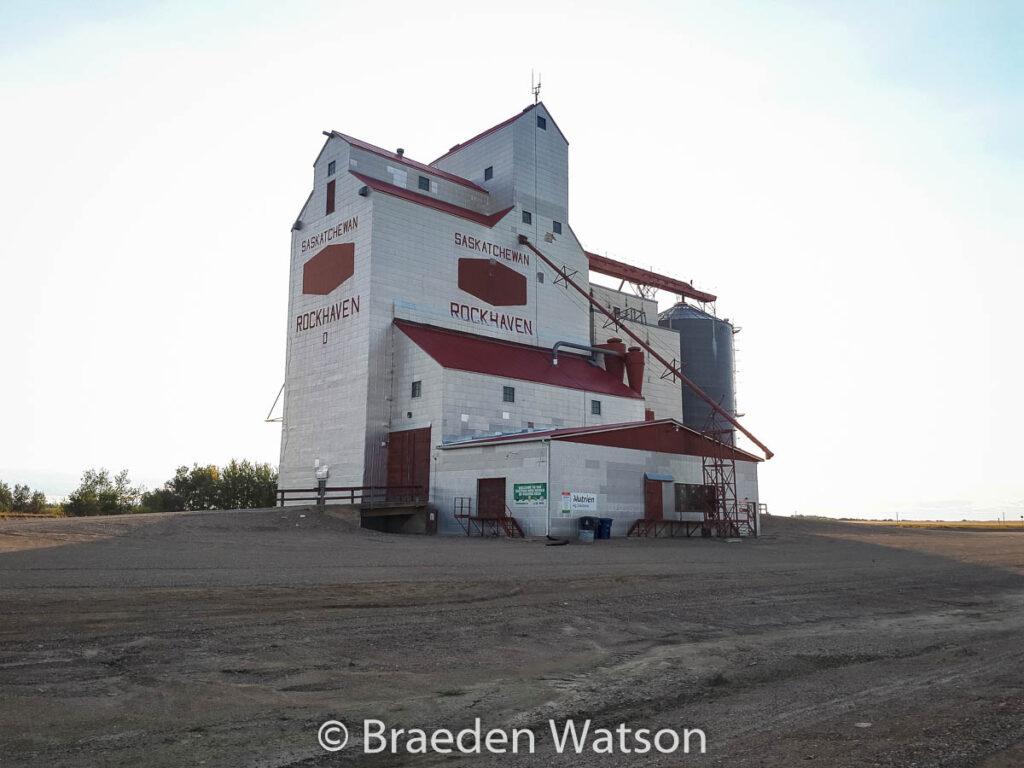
(485,525)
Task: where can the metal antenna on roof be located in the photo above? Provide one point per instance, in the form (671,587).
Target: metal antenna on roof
(535,88)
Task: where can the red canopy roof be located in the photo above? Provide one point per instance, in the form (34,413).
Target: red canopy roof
(477,354)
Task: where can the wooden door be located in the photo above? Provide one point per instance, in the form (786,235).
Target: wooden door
(409,463)
(490,497)
(652,499)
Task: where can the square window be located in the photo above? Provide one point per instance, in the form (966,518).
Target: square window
(330,168)
(424,183)
(508,394)
(542,123)
(527,217)
(556,227)
(595,407)
(694,498)
(488,173)
(417,388)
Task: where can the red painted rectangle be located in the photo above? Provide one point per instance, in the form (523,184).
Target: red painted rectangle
(487,279)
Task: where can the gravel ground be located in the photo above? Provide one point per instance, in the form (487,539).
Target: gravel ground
(227,638)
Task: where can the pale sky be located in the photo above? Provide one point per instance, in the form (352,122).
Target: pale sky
(847,177)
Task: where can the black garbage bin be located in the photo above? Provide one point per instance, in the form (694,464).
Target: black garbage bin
(604,527)
(587,528)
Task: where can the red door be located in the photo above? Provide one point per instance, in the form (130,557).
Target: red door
(409,463)
(490,497)
(652,499)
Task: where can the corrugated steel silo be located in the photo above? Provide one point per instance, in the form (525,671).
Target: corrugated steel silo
(706,350)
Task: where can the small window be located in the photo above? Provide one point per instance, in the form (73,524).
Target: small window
(330,197)
(508,394)
(556,227)
(488,173)
(527,217)
(595,407)
(542,123)
(417,388)
(424,183)
(330,168)
(694,498)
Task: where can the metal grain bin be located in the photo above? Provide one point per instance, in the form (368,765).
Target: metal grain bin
(706,349)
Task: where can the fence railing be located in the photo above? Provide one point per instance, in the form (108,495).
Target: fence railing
(363,495)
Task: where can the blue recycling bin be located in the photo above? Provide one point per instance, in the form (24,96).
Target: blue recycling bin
(604,527)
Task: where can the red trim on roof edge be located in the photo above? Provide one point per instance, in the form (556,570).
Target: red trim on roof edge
(431,202)
(366,146)
(488,132)
(610,435)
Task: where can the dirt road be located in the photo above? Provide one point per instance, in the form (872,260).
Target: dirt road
(226,639)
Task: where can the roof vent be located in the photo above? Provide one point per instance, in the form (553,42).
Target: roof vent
(400,152)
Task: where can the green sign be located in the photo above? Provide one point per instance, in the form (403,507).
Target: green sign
(530,494)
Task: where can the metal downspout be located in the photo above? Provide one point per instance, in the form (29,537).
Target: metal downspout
(547,527)
(574,345)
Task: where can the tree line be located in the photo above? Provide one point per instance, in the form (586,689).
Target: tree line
(21,499)
(236,485)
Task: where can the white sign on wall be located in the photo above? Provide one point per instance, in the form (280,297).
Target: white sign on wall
(582,502)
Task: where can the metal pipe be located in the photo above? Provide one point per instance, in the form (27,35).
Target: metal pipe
(574,345)
(524,240)
(547,522)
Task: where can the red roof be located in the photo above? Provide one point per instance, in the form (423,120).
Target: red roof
(661,436)
(478,354)
(431,202)
(394,156)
